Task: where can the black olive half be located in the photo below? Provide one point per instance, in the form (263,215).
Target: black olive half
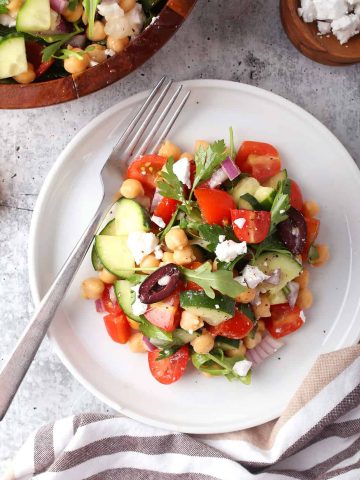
(152,291)
(293,231)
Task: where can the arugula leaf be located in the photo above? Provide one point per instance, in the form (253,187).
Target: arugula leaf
(90,11)
(3,7)
(232,152)
(221,280)
(280,205)
(151,331)
(211,233)
(215,363)
(170,186)
(51,50)
(244,259)
(207,161)
(252,200)
(270,244)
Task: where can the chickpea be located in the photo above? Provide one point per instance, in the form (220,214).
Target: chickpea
(136,343)
(117,44)
(204,343)
(176,239)
(97,52)
(263,309)
(311,208)
(107,277)
(252,342)
(184,256)
(187,155)
(236,352)
(73,15)
(305,299)
(98,32)
(190,322)
(131,188)
(149,261)
(168,257)
(14,6)
(261,326)
(77,65)
(26,77)
(201,143)
(127,5)
(246,296)
(169,149)
(324,255)
(303,278)
(133,324)
(92,288)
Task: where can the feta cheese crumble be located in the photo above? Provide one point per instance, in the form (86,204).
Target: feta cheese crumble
(340,17)
(158,221)
(242,367)
(221,238)
(163,281)
(240,222)
(7,20)
(228,250)
(138,308)
(158,252)
(181,169)
(141,244)
(251,276)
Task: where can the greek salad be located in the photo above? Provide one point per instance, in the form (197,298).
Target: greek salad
(47,39)
(206,259)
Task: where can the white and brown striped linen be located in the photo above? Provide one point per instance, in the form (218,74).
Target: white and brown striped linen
(316,438)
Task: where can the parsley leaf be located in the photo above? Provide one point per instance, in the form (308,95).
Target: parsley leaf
(170,186)
(207,161)
(280,205)
(3,7)
(222,280)
(211,233)
(59,41)
(270,244)
(215,363)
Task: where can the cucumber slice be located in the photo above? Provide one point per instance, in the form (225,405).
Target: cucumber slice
(125,297)
(246,185)
(277,298)
(109,229)
(12,56)
(226,343)
(212,310)
(130,216)
(34,16)
(114,254)
(273,181)
(290,268)
(182,336)
(265,196)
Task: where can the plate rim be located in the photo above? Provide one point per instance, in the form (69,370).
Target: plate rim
(36,220)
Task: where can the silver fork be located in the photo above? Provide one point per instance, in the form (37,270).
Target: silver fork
(146,131)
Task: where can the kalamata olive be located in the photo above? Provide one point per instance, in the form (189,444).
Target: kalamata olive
(293,231)
(159,284)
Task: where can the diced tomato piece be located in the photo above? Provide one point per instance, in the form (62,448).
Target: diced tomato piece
(283,320)
(163,314)
(34,51)
(118,327)
(296,199)
(146,170)
(168,370)
(312,228)
(166,209)
(109,305)
(237,327)
(215,205)
(256,226)
(260,160)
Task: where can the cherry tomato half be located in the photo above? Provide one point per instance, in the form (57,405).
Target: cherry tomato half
(163,314)
(283,320)
(118,327)
(146,169)
(168,370)
(166,209)
(260,160)
(256,226)
(215,205)
(296,199)
(237,327)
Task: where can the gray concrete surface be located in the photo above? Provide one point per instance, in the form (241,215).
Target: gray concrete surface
(239,40)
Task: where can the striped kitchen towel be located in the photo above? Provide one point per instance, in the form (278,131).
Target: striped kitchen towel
(316,438)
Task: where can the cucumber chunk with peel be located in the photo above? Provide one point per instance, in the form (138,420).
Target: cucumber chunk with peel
(115,255)
(289,267)
(130,216)
(34,16)
(109,229)
(212,310)
(12,56)
(125,297)
(246,185)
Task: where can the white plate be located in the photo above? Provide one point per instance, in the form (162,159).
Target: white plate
(325,171)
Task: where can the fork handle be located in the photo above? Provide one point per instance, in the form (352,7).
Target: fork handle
(19,361)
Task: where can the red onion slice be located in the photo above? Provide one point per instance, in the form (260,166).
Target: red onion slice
(112,294)
(156,200)
(230,168)
(78,41)
(59,5)
(274,277)
(267,347)
(99,306)
(148,344)
(217,178)
(293,293)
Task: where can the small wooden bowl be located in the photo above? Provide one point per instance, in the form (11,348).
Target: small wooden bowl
(114,68)
(324,49)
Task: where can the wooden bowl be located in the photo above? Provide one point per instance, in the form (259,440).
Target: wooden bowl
(324,49)
(140,49)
